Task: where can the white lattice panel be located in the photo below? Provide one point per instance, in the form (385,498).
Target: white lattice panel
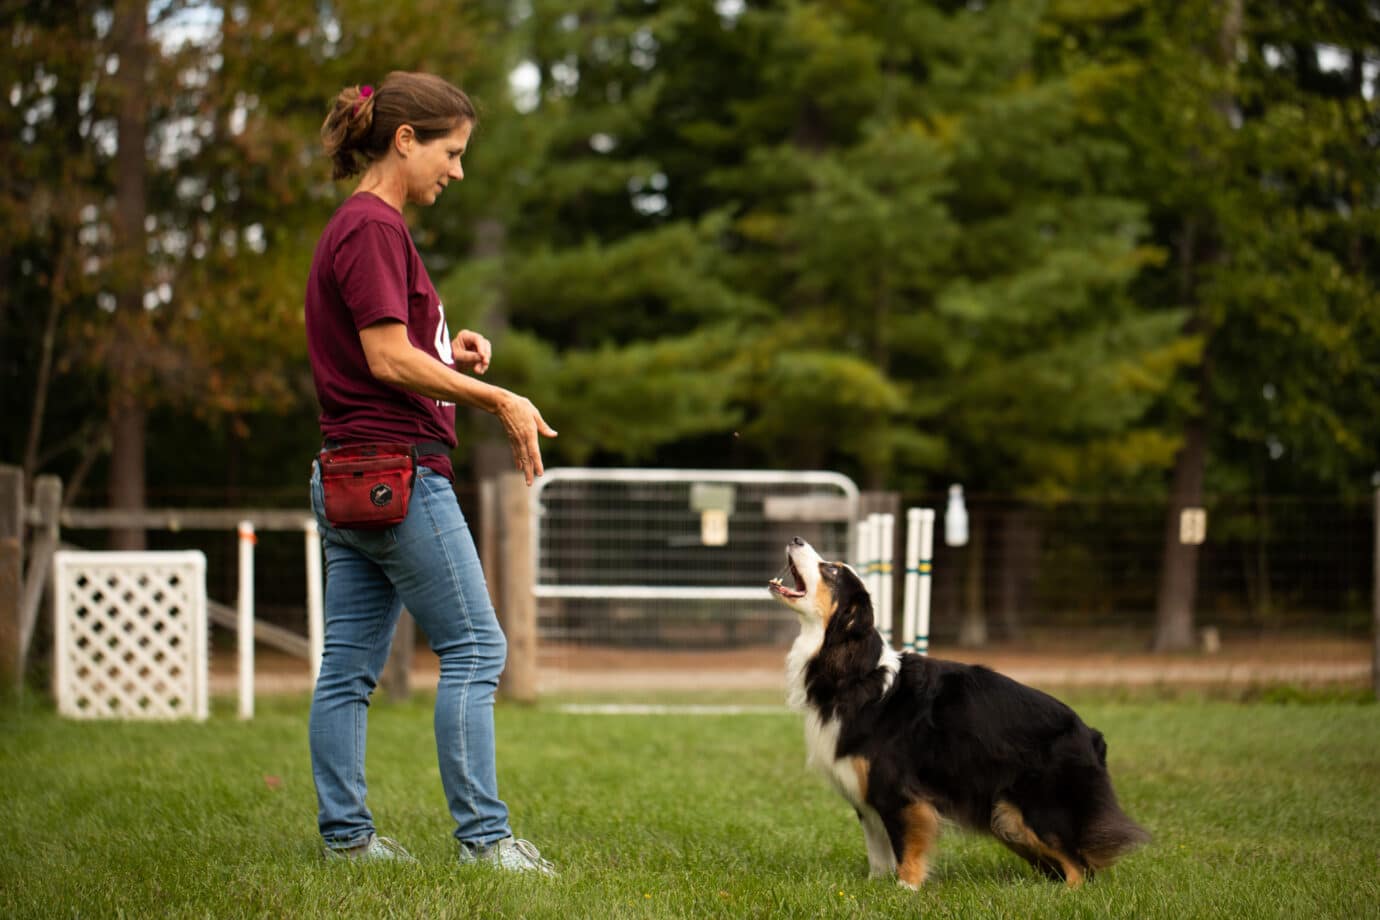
(131,635)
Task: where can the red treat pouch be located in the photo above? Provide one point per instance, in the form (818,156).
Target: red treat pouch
(367,486)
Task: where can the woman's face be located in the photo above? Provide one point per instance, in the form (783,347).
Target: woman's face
(431,166)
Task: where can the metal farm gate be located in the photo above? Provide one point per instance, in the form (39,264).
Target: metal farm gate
(677,558)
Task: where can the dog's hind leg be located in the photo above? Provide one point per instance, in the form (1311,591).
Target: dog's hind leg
(881,859)
(1010,827)
(914,830)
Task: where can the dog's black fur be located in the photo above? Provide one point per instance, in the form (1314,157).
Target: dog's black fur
(977,747)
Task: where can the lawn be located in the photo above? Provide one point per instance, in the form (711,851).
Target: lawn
(1260,809)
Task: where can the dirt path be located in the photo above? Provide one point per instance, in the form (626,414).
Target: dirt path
(1309,661)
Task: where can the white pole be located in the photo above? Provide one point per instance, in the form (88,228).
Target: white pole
(246,622)
(910,603)
(315,617)
(861,563)
(923,572)
(868,563)
(886,555)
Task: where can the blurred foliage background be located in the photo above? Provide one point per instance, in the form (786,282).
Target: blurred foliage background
(1021,245)
(1071,248)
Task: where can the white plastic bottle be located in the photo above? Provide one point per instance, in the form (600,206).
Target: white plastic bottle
(956,518)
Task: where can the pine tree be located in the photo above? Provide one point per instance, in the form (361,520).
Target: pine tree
(905,231)
(1259,166)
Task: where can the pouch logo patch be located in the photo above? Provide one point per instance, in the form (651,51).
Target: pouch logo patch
(381,494)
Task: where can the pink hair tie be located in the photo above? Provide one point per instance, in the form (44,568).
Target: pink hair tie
(365,92)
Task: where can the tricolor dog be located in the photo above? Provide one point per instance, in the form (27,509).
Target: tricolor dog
(910,740)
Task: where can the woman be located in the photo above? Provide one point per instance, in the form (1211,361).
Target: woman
(387,370)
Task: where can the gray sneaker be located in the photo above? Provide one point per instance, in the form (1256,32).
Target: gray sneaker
(509,853)
(378,849)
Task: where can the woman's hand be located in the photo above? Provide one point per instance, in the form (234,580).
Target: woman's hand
(471,351)
(524,424)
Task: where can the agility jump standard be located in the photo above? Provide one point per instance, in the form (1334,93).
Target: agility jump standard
(919,565)
(875,547)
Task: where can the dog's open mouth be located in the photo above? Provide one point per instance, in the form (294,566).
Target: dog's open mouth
(779,587)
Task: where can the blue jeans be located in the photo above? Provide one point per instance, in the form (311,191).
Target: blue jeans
(428,564)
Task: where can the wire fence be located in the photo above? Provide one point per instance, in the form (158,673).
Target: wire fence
(677,557)
(1268,563)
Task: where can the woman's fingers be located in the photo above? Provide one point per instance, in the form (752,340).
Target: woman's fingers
(472,350)
(525,426)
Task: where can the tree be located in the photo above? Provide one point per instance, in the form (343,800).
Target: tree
(619,324)
(130,47)
(839,185)
(177,207)
(48,205)
(892,239)
(1260,171)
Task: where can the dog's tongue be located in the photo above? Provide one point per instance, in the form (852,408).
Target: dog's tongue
(778,583)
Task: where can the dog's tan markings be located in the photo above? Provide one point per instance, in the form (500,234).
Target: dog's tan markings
(825,602)
(1009,825)
(921,829)
(862,767)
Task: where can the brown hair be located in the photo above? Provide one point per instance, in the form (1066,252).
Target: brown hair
(362,124)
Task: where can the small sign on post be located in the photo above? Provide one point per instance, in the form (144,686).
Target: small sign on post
(1192,526)
(713,527)
(714,502)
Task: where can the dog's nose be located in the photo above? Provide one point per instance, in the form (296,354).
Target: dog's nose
(797,542)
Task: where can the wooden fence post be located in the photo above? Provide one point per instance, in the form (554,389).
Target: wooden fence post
(39,568)
(11,575)
(516,567)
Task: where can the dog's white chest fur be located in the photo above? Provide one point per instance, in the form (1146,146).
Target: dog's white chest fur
(821,745)
(805,647)
(821,735)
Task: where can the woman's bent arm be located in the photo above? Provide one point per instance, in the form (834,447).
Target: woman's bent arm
(396,361)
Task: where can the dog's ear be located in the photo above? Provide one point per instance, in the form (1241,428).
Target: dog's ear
(853,614)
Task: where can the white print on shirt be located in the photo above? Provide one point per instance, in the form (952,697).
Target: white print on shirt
(443,344)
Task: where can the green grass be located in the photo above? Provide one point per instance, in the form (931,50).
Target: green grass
(1262,809)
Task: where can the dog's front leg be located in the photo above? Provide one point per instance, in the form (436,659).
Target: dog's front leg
(881,859)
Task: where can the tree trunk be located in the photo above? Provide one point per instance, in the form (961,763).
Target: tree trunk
(1178,591)
(1178,588)
(57,296)
(127,411)
(1179,569)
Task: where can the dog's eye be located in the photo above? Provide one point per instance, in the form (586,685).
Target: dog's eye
(830,569)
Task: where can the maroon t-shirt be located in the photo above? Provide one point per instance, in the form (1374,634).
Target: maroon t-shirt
(365,270)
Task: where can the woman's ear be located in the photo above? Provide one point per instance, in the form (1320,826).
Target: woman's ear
(403,139)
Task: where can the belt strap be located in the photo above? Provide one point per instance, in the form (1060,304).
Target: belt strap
(431,449)
(421,449)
